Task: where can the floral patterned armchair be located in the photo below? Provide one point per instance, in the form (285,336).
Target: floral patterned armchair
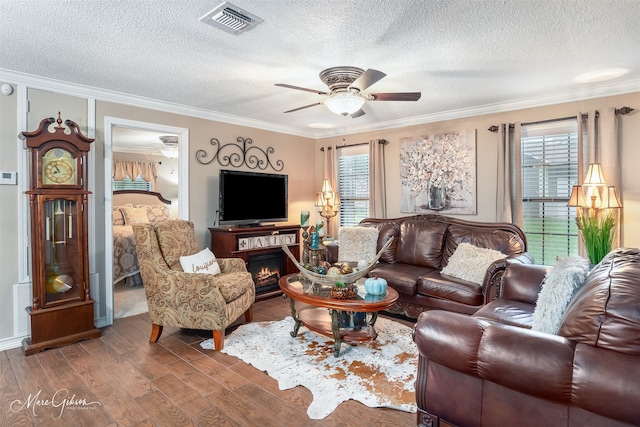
(189,300)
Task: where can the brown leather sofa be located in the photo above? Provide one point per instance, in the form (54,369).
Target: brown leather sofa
(423,245)
(491,369)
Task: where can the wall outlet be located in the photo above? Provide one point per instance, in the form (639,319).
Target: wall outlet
(8,178)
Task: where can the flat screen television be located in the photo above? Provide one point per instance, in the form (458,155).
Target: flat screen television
(252,198)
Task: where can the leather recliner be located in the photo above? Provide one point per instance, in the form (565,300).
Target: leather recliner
(491,369)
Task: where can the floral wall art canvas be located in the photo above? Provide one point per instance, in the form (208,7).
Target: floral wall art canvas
(438,173)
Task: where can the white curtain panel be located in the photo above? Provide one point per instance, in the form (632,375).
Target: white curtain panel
(610,146)
(509,184)
(592,139)
(583,147)
(377,192)
(610,160)
(601,146)
(331,173)
(503,188)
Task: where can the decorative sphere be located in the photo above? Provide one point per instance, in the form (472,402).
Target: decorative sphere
(346,269)
(321,269)
(362,264)
(333,271)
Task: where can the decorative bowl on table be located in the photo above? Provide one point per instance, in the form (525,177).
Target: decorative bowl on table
(330,280)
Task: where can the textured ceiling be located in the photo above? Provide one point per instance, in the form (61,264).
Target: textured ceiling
(464,56)
(126,140)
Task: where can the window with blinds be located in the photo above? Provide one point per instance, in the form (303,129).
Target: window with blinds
(127,184)
(549,170)
(353,183)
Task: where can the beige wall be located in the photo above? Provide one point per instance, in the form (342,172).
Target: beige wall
(203,179)
(295,152)
(302,159)
(42,104)
(486,150)
(10,145)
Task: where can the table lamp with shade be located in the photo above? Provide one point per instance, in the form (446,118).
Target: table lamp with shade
(594,202)
(327,202)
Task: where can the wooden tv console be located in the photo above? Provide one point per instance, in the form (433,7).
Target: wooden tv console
(251,242)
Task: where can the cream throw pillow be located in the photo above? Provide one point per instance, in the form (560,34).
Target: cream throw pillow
(157,213)
(357,244)
(134,215)
(558,288)
(202,262)
(470,262)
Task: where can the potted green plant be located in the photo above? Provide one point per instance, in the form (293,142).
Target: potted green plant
(597,235)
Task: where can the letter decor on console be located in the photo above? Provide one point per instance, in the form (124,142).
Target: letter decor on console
(255,242)
(239,154)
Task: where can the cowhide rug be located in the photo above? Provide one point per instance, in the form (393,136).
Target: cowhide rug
(379,373)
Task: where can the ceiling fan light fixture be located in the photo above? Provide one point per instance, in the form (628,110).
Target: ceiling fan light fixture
(170,148)
(346,91)
(344,103)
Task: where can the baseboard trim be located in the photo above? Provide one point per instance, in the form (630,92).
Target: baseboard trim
(13,342)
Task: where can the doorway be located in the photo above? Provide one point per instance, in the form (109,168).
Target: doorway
(138,138)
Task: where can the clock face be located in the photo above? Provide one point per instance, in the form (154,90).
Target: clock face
(58,167)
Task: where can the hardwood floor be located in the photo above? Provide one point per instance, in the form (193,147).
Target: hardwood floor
(120,379)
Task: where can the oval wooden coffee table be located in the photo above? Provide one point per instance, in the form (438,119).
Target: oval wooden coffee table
(334,317)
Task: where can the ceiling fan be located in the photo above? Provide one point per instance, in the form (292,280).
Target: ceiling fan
(170,146)
(346,90)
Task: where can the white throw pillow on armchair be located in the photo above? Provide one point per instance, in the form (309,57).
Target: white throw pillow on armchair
(201,262)
(357,244)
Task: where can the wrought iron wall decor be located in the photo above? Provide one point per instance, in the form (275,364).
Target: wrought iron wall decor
(238,154)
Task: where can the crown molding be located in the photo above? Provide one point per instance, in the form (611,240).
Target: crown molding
(82,91)
(580,93)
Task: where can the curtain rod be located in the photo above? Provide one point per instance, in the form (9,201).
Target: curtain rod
(619,111)
(382,141)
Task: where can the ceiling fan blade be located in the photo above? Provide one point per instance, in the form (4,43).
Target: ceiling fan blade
(302,88)
(358,113)
(367,78)
(302,108)
(396,96)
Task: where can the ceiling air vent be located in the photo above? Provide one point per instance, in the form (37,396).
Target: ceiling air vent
(230,18)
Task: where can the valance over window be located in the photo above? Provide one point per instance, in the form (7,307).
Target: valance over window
(126,168)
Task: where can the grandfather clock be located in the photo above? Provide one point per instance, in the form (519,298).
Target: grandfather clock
(62,309)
